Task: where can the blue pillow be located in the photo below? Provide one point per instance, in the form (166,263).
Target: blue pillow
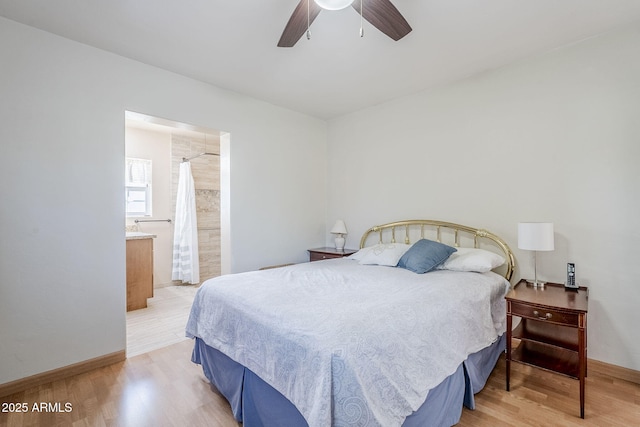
(425,255)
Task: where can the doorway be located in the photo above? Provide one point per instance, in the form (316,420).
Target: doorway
(164,144)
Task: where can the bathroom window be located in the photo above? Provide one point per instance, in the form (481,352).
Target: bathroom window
(138,187)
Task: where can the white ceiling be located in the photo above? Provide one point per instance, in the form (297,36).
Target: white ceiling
(232,44)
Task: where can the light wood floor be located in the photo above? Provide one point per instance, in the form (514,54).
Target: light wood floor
(163,322)
(540,398)
(160,388)
(163,388)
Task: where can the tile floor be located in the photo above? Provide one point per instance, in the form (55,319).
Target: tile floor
(163,322)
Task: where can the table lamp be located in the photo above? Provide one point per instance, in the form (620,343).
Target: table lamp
(535,236)
(339,229)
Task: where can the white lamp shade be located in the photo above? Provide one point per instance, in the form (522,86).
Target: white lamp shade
(333,4)
(535,236)
(339,227)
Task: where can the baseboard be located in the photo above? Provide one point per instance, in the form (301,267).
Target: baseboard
(22,384)
(274,266)
(613,371)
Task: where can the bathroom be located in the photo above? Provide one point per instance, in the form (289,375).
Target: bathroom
(154,150)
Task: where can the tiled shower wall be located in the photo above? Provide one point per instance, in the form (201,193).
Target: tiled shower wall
(206,177)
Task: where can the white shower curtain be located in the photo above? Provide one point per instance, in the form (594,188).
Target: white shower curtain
(186,266)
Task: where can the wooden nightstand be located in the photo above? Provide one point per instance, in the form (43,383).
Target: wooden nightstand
(552,331)
(318,254)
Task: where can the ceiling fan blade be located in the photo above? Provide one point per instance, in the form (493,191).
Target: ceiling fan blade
(297,24)
(383,15)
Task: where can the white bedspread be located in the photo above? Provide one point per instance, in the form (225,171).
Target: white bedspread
(349,344)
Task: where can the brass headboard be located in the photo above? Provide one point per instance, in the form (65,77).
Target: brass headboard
(452,231)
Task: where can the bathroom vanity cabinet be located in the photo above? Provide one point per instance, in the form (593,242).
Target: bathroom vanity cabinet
(139,270)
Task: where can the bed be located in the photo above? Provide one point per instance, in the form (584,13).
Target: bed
(359,341)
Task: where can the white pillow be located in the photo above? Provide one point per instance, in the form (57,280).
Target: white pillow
(383,254)
(360,254)
(471,259)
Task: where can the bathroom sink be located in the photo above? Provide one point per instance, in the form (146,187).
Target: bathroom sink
(139,235)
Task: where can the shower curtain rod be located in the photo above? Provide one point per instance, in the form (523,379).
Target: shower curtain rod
(186,159)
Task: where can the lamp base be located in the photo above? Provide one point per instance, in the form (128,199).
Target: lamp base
(339,243)
(538,284)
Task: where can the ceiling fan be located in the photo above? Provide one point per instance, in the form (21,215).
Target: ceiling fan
(382,14)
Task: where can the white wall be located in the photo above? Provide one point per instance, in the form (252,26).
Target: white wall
(62,247)
(551,139)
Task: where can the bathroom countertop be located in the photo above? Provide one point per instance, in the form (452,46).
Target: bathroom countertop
(133,235)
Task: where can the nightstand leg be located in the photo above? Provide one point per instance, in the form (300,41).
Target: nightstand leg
(508,355)
(582,395)
(582,356)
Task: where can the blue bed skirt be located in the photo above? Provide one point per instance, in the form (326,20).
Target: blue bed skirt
(255,403)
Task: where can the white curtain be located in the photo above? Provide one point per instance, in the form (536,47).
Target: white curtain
(186,266)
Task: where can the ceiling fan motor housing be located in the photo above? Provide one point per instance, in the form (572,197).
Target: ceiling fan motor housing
(333,4)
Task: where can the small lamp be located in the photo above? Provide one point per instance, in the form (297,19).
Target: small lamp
(339,229)
(535,236)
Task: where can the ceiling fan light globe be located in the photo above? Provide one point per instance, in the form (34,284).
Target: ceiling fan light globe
(333,4)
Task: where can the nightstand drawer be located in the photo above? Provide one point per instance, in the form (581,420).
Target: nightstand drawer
(536,313)
(319,254)
(315,256)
